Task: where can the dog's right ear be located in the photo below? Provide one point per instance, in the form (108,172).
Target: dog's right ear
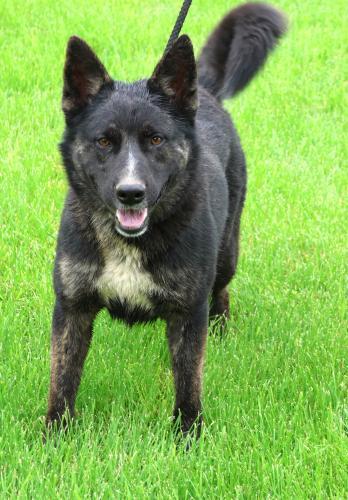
(84,76)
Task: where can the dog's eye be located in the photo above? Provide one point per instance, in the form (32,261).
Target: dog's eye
(103,142)
(156,140)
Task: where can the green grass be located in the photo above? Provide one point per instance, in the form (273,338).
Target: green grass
(275,398)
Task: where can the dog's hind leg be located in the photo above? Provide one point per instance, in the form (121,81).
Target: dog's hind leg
(220,303)
(71,337)
(219,311)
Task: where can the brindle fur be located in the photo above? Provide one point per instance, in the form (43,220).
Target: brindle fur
(195,189)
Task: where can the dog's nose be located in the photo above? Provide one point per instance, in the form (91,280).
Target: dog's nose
(130,194)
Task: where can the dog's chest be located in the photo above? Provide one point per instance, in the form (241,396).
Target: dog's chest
(124,278)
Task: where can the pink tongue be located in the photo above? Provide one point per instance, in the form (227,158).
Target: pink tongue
(131,219)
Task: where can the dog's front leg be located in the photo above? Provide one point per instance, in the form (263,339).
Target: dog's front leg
(71,336)
(187,335)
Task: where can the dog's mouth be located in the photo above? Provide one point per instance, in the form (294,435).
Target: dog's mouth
(131,222)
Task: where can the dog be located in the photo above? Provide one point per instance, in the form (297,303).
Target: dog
(157,183)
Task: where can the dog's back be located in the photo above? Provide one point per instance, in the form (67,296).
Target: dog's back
(235,51)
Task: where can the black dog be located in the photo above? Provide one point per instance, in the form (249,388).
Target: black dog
(157,180)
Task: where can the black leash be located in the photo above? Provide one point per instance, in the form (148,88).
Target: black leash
(178,25)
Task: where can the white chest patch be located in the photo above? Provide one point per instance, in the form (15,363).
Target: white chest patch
(125,279)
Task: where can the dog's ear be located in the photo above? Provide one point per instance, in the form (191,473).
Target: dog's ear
(84,76)
(176,76)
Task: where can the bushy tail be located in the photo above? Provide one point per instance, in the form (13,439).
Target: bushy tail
(238,48)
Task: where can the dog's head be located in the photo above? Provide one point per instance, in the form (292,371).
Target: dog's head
(126,146)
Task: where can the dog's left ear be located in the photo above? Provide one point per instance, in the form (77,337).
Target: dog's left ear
(84,76)
(176,76)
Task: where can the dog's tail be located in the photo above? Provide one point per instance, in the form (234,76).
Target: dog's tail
(238,48)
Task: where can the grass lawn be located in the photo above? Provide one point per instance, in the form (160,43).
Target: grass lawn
(275,398)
